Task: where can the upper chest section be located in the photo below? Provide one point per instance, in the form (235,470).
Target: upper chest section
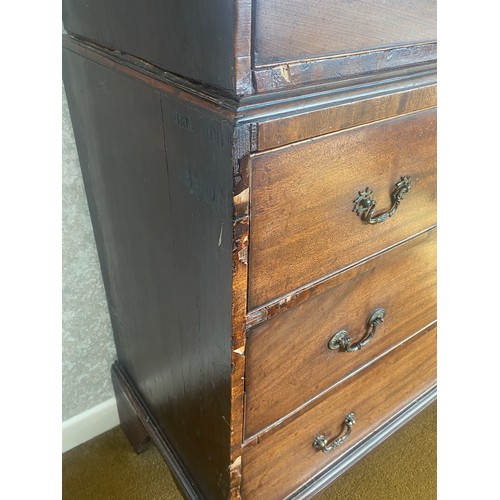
(243,47)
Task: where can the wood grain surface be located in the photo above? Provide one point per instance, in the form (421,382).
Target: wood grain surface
(351,112)
(301,203)
(280,461)
(158,176)
(294,30)
(287,357)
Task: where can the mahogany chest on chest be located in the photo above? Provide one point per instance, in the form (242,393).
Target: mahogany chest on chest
(261,178)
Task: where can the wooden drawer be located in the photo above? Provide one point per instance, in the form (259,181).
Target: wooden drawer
(401,281)
(301,205)
(280,461)
(298,30)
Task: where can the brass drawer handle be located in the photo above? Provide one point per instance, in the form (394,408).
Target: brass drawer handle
(342,341)
(364,204)
(321,443)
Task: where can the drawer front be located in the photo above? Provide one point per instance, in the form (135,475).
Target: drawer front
(282,460)
(401,281)
(298,30)
(302,198)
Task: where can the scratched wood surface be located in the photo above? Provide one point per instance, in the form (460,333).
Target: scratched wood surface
(287,357)
(339,68)
(301,202)
(280,461)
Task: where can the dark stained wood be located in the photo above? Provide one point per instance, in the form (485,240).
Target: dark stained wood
(302,224)
(287,358)
(194,39)
(138,406)
(281,461)
(342,67)
(298,30)
(158,175)
(360,110)
(166,83)
(129,421)
(199,148)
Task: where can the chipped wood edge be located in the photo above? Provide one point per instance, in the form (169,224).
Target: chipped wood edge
(287,74)
(306,292)
(241,202)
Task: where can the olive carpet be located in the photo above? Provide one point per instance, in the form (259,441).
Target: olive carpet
(401,468)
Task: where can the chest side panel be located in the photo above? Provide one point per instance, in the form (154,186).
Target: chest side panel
(157,172)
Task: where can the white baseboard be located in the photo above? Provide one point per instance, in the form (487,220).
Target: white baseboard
(89,424)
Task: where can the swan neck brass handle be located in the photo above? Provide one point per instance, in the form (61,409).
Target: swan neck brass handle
(321,443)
(342,341)
(364,204)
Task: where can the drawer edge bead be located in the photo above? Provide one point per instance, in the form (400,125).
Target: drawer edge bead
(324,478)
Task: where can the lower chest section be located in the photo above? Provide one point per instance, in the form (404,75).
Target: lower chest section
(341,316)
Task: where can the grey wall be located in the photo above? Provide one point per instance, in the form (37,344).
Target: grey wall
(87,343)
